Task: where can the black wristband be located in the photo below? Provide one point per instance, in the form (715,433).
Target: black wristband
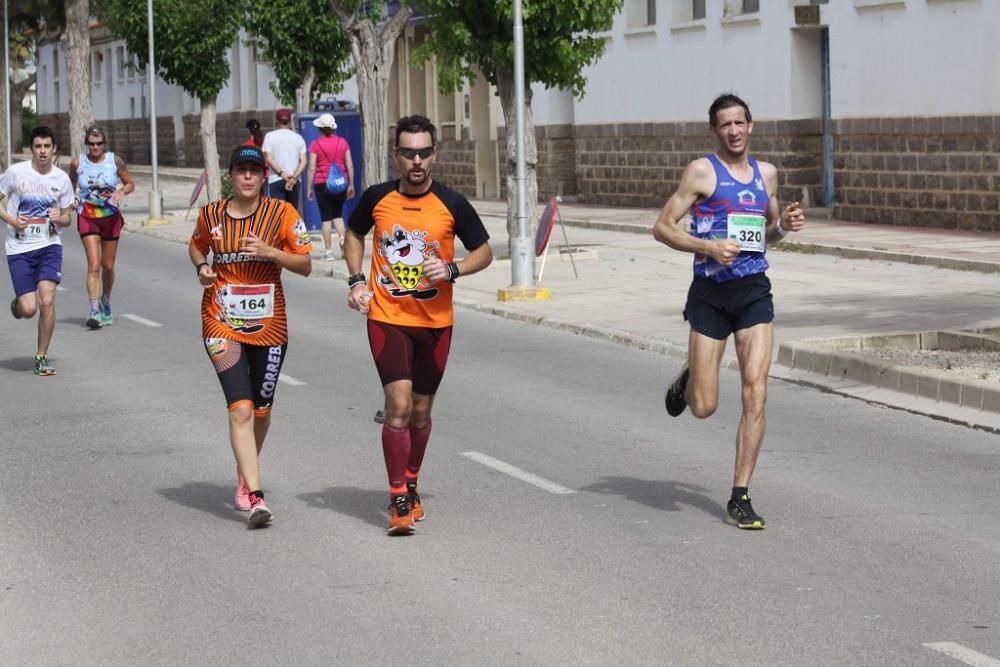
(452,271)
(197,269)
(356,279)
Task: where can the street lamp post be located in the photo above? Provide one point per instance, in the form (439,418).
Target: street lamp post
(155,198)
(522,255)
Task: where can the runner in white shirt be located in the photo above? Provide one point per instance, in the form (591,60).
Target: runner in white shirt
(38,203)
(285,152)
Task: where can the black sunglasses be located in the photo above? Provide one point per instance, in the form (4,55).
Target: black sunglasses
(95,143)
(410,153)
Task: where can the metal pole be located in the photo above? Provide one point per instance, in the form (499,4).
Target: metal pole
(6,78)
(522,256)
(154,197)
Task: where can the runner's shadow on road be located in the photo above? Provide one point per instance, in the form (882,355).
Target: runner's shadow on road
(75,321)
(216,499)
(368,505)
(659,494)
(18,364)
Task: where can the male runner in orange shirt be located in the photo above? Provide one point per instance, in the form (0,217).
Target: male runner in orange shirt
(408,299)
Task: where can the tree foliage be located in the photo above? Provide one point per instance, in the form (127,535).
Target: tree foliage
(295,35)
(191,39)
(471,35)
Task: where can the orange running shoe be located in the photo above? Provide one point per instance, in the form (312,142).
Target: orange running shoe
(400,519)
(413,500)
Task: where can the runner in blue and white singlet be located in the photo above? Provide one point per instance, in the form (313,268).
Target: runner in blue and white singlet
(732,200)
(710,219)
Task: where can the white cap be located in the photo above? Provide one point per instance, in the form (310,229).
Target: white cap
(326,120)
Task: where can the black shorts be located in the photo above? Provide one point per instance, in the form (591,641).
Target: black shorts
(419,354)
(330,206)
(718,309)
(247,373)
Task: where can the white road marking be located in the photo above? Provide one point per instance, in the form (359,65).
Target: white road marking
(60,288)
(517,473)
(141,320)
(962,654)
(288,379)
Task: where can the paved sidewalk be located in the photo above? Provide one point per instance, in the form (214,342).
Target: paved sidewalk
(631,289)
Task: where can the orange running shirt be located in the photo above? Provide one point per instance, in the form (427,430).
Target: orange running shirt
(244,281)
(408,230)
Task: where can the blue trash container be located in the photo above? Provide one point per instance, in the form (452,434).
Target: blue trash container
(348,127)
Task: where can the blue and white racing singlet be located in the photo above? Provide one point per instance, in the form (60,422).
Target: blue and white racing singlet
(711,219)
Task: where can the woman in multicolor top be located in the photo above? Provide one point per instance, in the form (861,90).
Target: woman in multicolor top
(103,180)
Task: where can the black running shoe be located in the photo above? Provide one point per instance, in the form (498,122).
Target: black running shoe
(674,400)
(13,309)
(740,513)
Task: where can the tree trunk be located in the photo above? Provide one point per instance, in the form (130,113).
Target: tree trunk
(303,94)
(505,90)
(210,149)
(17,93)
(374,50)
(76,40)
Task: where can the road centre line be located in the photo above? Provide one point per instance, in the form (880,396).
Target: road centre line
(517,473)
(141,320)
(963,654)
(288,379)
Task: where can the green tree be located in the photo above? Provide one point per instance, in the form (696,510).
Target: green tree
(372,30)
(305,45)
(191,39)
(473,37)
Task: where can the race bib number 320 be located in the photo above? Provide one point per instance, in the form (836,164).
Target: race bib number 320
(249,302)
(748,230)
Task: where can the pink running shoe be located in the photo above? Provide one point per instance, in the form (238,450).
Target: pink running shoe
(260,514)
(242,494)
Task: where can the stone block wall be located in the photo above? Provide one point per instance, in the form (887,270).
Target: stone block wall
(640,164)
(127,138)
(926,172)
(455,165)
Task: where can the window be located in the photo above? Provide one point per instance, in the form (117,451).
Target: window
(751,6)
(697,9)
(640,13)
(120,62)
(132,67)
(97,70)
(740,7)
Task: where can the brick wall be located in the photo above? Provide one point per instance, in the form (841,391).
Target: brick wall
(455,165)
(640,164)
(926,172)
(127,138)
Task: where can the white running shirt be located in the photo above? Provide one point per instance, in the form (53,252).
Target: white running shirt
(31,195)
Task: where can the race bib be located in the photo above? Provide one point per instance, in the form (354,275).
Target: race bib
(249,302)
(37,230)
(748,229)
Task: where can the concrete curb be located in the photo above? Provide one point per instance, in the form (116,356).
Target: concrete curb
(920,390)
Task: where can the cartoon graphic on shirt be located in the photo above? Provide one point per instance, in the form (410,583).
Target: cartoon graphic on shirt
(405,253)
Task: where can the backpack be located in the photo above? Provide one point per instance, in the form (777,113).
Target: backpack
(336,181)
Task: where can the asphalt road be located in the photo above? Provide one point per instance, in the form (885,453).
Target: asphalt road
(120,544)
